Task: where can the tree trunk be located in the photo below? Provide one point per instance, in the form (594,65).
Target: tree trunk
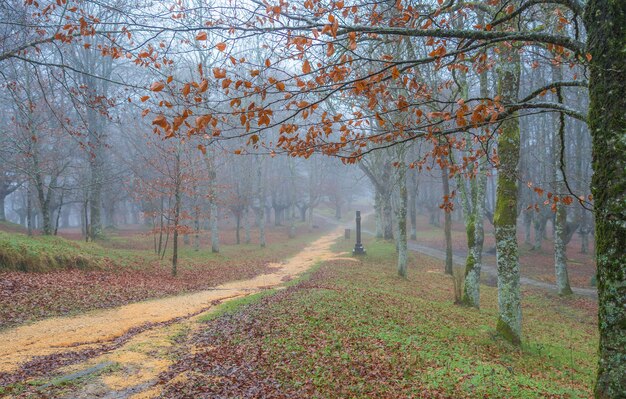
(413,205)
(471,287)
(401,219)
(261,193)
(560,220)
(338,210)
(237,226)
(3,216)
(302,213)
(292,224)
(447,229)
(196,227)
(277,216)
(378,210)
(540,230)
(59,209)
(606,35)
(215,234)
(528,222)
(44,206)
(505,213)
(29,211)
(161,216)
(246,225)
(387,217)
(95,201)
(175,235)
(85,220)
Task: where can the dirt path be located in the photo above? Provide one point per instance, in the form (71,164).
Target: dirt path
(91,330)
(490,270)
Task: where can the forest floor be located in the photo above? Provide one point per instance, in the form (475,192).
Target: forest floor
(348,328)
(37,358)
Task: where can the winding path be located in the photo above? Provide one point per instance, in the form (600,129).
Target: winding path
(90,330)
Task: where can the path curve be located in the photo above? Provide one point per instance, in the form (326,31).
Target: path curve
(50,336)
(491,270)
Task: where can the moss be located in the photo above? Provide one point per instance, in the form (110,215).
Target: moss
(505,213)
(605,21)
(471,286)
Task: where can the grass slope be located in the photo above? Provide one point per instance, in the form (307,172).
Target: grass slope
(18,252)
(357,330)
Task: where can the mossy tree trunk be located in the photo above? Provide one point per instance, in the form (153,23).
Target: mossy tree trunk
(505,214)
(474,210)
(560,219)
(605,21)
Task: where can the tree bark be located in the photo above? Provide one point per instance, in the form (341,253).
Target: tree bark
(560,220)
(505,214)
(606,34)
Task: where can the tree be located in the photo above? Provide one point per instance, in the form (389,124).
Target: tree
(605,21)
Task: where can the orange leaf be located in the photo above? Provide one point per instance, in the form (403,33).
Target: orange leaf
(221,46)
(330,49)
(145,98)
(186,89)
(203,86)
(160,121)
(201,36)
(202,148)
(157,86)
(306,67)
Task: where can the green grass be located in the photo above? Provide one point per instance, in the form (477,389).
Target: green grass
(234,305)
(364,332)
(44,253)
